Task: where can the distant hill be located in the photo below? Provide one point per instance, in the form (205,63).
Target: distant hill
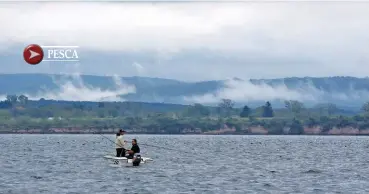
(349,92)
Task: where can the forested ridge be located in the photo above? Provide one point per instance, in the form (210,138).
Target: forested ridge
(344,91)
(19,114)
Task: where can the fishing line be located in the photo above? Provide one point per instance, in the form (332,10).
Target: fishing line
(108,139)
(165,148)
(112,141)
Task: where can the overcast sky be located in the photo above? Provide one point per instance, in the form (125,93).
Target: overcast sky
(192,41)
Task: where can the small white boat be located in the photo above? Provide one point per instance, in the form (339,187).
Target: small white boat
(123,161)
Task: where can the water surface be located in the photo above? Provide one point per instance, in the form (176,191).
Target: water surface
(209,164)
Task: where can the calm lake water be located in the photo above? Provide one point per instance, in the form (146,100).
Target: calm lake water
(215,164)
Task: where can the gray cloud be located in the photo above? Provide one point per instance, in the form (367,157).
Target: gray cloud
(194,41)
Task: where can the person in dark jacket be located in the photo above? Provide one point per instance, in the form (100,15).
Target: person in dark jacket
(134,149)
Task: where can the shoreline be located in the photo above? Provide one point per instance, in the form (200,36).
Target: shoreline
(207,134)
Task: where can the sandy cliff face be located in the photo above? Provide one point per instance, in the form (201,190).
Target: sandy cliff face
(336,131)
(225,129)
(348,131)
(313,130)
(257,130)
(344,131)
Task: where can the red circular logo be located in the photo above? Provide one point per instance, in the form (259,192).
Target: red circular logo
(33,54)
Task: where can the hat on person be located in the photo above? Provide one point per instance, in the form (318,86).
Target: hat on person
(121,130)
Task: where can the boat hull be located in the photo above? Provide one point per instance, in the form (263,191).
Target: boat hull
(123,161)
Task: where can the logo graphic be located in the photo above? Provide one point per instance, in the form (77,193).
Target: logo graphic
(33,54)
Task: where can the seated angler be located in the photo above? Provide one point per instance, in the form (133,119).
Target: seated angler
(134,150)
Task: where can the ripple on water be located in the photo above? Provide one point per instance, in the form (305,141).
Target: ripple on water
(219,164)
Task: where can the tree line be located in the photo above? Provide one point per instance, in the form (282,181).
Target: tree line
(18,112)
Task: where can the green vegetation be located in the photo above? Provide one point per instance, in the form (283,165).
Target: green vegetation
(17,113)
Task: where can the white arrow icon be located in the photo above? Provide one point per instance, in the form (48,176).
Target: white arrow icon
(33,54)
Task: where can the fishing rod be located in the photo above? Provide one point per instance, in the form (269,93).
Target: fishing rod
(108,139)
(113,142)
(148,145)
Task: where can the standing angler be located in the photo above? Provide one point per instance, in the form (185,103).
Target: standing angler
(120,143)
